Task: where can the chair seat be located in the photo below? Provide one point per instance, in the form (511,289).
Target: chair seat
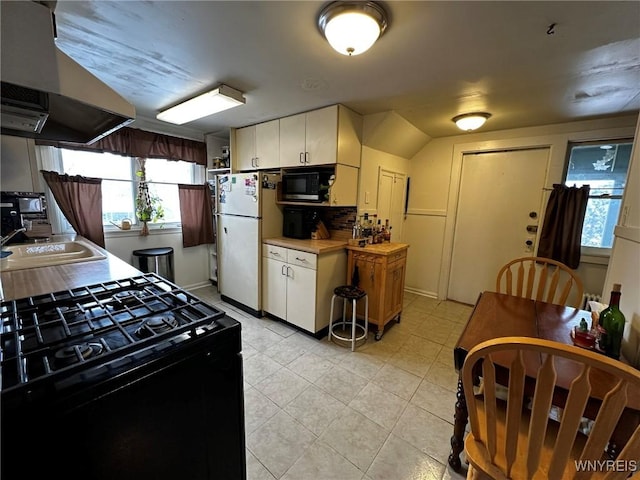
(350,292)
(485,468)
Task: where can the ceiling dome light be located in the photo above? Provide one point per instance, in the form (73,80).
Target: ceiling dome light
(471,121)
(351,28)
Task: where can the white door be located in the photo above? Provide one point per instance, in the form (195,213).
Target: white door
(500,195)
(274,287)
(239,259)
(292,140)
(245,148)
(301,297)
(268,144)
(321,137)
(239,194)
(392,190)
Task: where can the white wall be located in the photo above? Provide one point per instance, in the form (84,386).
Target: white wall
(190,264)
(434,173)
(624,267)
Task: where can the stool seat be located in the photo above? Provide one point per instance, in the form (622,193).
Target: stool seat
(350,292)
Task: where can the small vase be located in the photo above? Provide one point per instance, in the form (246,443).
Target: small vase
(144,231)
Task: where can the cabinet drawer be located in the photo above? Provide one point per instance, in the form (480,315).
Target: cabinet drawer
(397,256)
(368,257)
(303,259)
(277,253)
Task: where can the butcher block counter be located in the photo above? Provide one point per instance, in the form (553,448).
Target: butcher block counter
(381,271)
(318,247)
(36,281)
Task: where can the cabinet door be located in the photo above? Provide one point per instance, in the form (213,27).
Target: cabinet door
(394,290)
(292,140)
(369,271)
(245,148)
(301,297)
(344,191)
(322,136)
(274,287)
(268,145)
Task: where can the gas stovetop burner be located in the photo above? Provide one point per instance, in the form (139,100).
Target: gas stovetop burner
(47,337)
(55,312)
(127,295)
(156,324)
(73,353)
(124,298)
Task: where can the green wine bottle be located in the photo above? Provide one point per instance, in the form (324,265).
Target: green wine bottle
(612,320)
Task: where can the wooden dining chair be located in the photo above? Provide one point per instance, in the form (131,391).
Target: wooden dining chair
(541,279)
(509,439)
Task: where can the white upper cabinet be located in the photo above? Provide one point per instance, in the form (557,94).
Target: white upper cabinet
(326,136)
(257,147)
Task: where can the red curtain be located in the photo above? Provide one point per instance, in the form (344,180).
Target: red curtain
(196,215)
(80,199)
(140,143)
(561,233)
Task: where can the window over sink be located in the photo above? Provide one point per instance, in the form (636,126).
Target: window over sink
(119,185)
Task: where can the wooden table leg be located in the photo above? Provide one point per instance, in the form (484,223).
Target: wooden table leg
(460,423)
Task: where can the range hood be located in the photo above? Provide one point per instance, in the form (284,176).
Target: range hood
(45,94)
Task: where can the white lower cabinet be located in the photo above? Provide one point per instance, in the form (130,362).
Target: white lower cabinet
(297,286)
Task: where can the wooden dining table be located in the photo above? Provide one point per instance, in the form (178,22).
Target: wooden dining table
(500,315)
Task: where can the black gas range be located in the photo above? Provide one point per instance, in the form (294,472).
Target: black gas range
(133,378)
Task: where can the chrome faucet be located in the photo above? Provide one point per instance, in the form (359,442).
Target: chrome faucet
(9,236)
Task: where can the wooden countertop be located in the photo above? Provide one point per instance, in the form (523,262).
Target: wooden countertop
(312,246)
(380,248)
(36,281)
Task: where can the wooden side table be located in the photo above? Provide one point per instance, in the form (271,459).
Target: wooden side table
(381,268)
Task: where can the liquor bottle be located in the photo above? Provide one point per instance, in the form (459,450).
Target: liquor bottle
(612,321)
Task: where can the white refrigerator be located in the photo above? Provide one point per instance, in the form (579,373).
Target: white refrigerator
(247,212)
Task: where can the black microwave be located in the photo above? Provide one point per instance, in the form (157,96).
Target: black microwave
(298,222)
(305,186)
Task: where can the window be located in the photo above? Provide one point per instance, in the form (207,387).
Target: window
(120,181)
(603,166)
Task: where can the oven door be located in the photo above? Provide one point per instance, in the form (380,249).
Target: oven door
(170,419)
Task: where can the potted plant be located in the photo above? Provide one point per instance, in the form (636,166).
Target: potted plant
(148,206)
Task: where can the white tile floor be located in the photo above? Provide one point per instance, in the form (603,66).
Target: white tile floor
(316,411)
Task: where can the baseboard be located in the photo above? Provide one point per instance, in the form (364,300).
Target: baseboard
(241,306)
(422,293)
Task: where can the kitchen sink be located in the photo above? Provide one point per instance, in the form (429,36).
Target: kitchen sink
(47,254)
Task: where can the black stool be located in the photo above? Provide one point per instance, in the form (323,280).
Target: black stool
(353,293)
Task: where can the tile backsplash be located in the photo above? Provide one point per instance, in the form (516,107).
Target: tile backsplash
(339,220)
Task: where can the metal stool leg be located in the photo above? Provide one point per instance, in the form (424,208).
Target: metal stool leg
(331,319)
(353,325)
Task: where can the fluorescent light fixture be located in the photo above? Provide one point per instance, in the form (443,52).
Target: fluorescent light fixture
(351,28)
(471,121)
(217,100)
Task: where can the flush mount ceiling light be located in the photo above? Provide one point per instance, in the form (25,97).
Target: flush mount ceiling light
(352,27)
(471,121)
(217,100)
